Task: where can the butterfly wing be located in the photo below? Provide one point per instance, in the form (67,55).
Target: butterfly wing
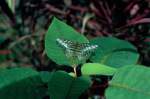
(63,43)
(76,52)
(86,51)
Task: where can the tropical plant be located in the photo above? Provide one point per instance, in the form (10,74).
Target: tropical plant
(29,83)
(100,60)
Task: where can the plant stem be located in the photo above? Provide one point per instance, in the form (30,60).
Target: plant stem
(74,68)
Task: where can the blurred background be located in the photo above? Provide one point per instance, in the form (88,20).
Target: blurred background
(23,24)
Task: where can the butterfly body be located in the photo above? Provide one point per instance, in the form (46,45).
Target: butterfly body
(77,52)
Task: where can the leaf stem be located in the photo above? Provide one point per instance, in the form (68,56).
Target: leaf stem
(74,68)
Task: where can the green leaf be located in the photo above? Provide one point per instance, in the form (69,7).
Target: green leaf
(45,76)
(97,69)
(11,4)
(64,86)
(58,29)
(20,83)
(114,52)
(2,39)
(130,82)
(3,58)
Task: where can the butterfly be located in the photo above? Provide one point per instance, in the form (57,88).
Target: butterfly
(75,51)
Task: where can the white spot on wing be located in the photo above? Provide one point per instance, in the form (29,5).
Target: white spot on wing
(61,42)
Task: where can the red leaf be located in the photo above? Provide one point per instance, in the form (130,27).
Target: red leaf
(141,21)
(5,52)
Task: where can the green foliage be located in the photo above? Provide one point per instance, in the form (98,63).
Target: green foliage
(45,76)
(97,69)
(56,30)
(2,58)
(114,52)
(2,39)
(20,83)
(11,4)
(63,86)
(111,52)
(130,82)
(26,83)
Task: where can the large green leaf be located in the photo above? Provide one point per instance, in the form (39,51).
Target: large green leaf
(64,86)
(20,83)
(130,82)
(58,29)
(97,69)
(114,52)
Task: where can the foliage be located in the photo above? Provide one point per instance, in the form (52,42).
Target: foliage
(130,82)
(97,69)
(114,52)
(60,30)
(64,86)
(60,84)
(113,25)
(20,83)
(108,45)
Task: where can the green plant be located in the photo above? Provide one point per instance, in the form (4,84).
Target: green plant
(113,57)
